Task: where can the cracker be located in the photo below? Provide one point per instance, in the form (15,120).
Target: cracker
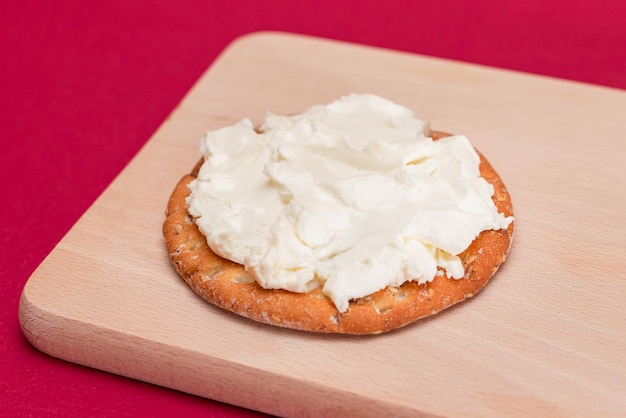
(227,285)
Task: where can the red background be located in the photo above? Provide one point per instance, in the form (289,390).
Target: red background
(84,84)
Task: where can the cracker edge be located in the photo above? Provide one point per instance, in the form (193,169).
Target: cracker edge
(227,285)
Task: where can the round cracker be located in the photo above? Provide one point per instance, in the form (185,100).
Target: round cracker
(227,285)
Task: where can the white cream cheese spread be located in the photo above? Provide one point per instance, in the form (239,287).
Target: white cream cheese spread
(353,196)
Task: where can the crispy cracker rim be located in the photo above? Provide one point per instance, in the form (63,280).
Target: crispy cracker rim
(227,285)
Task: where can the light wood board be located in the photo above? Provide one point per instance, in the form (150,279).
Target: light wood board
(546,337)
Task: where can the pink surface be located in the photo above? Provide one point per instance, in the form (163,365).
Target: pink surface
(84,86)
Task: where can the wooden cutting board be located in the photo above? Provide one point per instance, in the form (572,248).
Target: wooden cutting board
(546,337)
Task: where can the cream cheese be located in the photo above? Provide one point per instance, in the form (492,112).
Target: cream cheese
(353,196)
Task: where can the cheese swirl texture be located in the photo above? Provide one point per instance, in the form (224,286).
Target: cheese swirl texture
(352,196)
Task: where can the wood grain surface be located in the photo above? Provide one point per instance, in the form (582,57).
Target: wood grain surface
(546,337)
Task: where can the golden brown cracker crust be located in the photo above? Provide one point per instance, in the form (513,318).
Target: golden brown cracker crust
(227,285)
